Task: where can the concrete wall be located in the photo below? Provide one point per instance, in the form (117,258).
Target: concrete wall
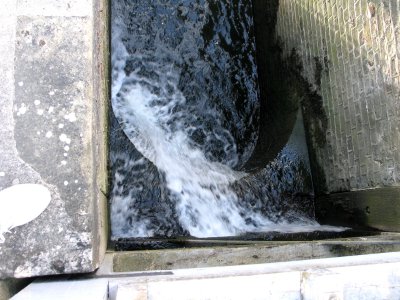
(348,53)
(53,108)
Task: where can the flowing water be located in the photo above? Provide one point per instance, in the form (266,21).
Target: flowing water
(186,106)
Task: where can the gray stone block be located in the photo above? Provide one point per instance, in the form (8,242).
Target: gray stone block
(53,134)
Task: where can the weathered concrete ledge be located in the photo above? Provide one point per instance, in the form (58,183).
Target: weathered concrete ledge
(361,277)
(248,253)
(53,105)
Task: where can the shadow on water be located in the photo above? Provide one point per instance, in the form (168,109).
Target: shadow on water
(279,100)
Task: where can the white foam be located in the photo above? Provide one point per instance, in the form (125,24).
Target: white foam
(205,202)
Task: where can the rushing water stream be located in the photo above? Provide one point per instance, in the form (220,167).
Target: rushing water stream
(184,93)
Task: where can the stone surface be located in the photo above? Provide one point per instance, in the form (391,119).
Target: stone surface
(362,282)
(65,290)
(374,276)
(349,54)
(50,134)
(364,277)
(70,8)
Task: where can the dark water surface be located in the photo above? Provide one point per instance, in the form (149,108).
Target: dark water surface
(186,120)
(210,45)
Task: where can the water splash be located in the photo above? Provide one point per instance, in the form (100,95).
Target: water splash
(201,189)
(196,133)
(145,107)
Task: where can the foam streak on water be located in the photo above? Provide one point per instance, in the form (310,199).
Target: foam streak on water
(206,205)
(191,135)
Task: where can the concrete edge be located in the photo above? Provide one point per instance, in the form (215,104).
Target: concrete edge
(166,261)
(298,279)
(100,125)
